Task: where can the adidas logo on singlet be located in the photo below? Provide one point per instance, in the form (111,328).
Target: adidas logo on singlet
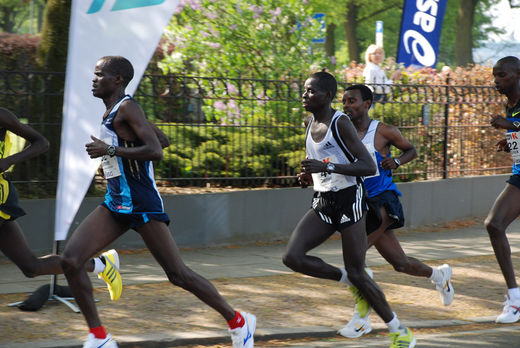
(328,145)
(344,218)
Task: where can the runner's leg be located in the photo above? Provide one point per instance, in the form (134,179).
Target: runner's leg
(14,245)
(161,244)
(98,230)
(354,241)
(504,211)
(310,232)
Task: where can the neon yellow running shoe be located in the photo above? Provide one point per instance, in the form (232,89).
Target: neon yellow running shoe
(111,274)
(362,305)
(402,340)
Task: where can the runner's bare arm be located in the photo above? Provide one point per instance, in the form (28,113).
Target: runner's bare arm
(163,138)
(394,137)
(37,142)
(136,127)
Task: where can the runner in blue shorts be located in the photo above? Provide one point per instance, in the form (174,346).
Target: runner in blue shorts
(506,208)
(127,145)
(335,164)
(386,212)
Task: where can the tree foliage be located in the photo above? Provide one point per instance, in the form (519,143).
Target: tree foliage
(261,37)
(21,16)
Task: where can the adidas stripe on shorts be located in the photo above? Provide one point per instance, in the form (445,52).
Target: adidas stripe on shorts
(341,208)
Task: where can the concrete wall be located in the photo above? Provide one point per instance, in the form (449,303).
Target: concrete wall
(245,216)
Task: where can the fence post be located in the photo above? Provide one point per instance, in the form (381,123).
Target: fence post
(446,123)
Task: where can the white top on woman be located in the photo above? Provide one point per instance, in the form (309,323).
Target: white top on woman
(375,78)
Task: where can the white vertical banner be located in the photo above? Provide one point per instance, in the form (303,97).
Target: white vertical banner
(379,33)
(128,28)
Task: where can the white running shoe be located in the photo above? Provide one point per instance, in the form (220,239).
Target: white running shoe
(357,326)
(445,288)
(511,312)
(93,342)
(242,337)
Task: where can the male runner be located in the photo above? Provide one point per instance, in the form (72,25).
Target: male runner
(383,200)
(12,241)
(127,146)
(506,208)
(336,161)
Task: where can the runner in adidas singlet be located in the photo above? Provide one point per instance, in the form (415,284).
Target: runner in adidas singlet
(336,162)
(506,209)
(386,211)
(343,192)
(128,144)
(330,149)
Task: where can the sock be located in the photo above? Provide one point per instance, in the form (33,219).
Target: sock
(99,332)
(344,277)
(237,321)
(394,325)
(436,276)
(514,293)
(99,265)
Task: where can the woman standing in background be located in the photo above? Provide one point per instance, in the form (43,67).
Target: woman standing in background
(375,76)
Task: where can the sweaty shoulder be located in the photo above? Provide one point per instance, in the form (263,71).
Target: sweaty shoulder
(344,119)
(130,108)
(387,131)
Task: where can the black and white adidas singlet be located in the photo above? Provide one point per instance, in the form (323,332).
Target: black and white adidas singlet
(331,149)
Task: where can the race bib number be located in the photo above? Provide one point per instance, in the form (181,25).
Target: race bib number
(513,143)
(110,167)
(110,164)
(372,151)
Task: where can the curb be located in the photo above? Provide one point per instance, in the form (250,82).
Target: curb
(221,336)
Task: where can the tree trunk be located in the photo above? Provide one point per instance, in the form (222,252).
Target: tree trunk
(330,47)
(350,27)
(463,36)
(52,57)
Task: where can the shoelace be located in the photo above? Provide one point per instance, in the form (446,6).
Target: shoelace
(395,339)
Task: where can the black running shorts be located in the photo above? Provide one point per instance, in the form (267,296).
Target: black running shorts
(134,220)
(390,201)
(342,208)
(514,180)
(9,208)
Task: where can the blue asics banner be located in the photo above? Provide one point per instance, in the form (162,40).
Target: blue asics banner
(420,32)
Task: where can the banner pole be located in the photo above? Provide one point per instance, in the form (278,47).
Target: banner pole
(54,285)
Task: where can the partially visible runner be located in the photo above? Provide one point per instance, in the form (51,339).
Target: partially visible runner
(12,241)
(128,144)
(506,208)
(336,162)
(386,211)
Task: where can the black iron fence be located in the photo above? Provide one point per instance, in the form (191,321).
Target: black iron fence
(249,132)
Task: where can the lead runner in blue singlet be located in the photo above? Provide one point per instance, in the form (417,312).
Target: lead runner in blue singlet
(128,144)
(336,162)
(506,209)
